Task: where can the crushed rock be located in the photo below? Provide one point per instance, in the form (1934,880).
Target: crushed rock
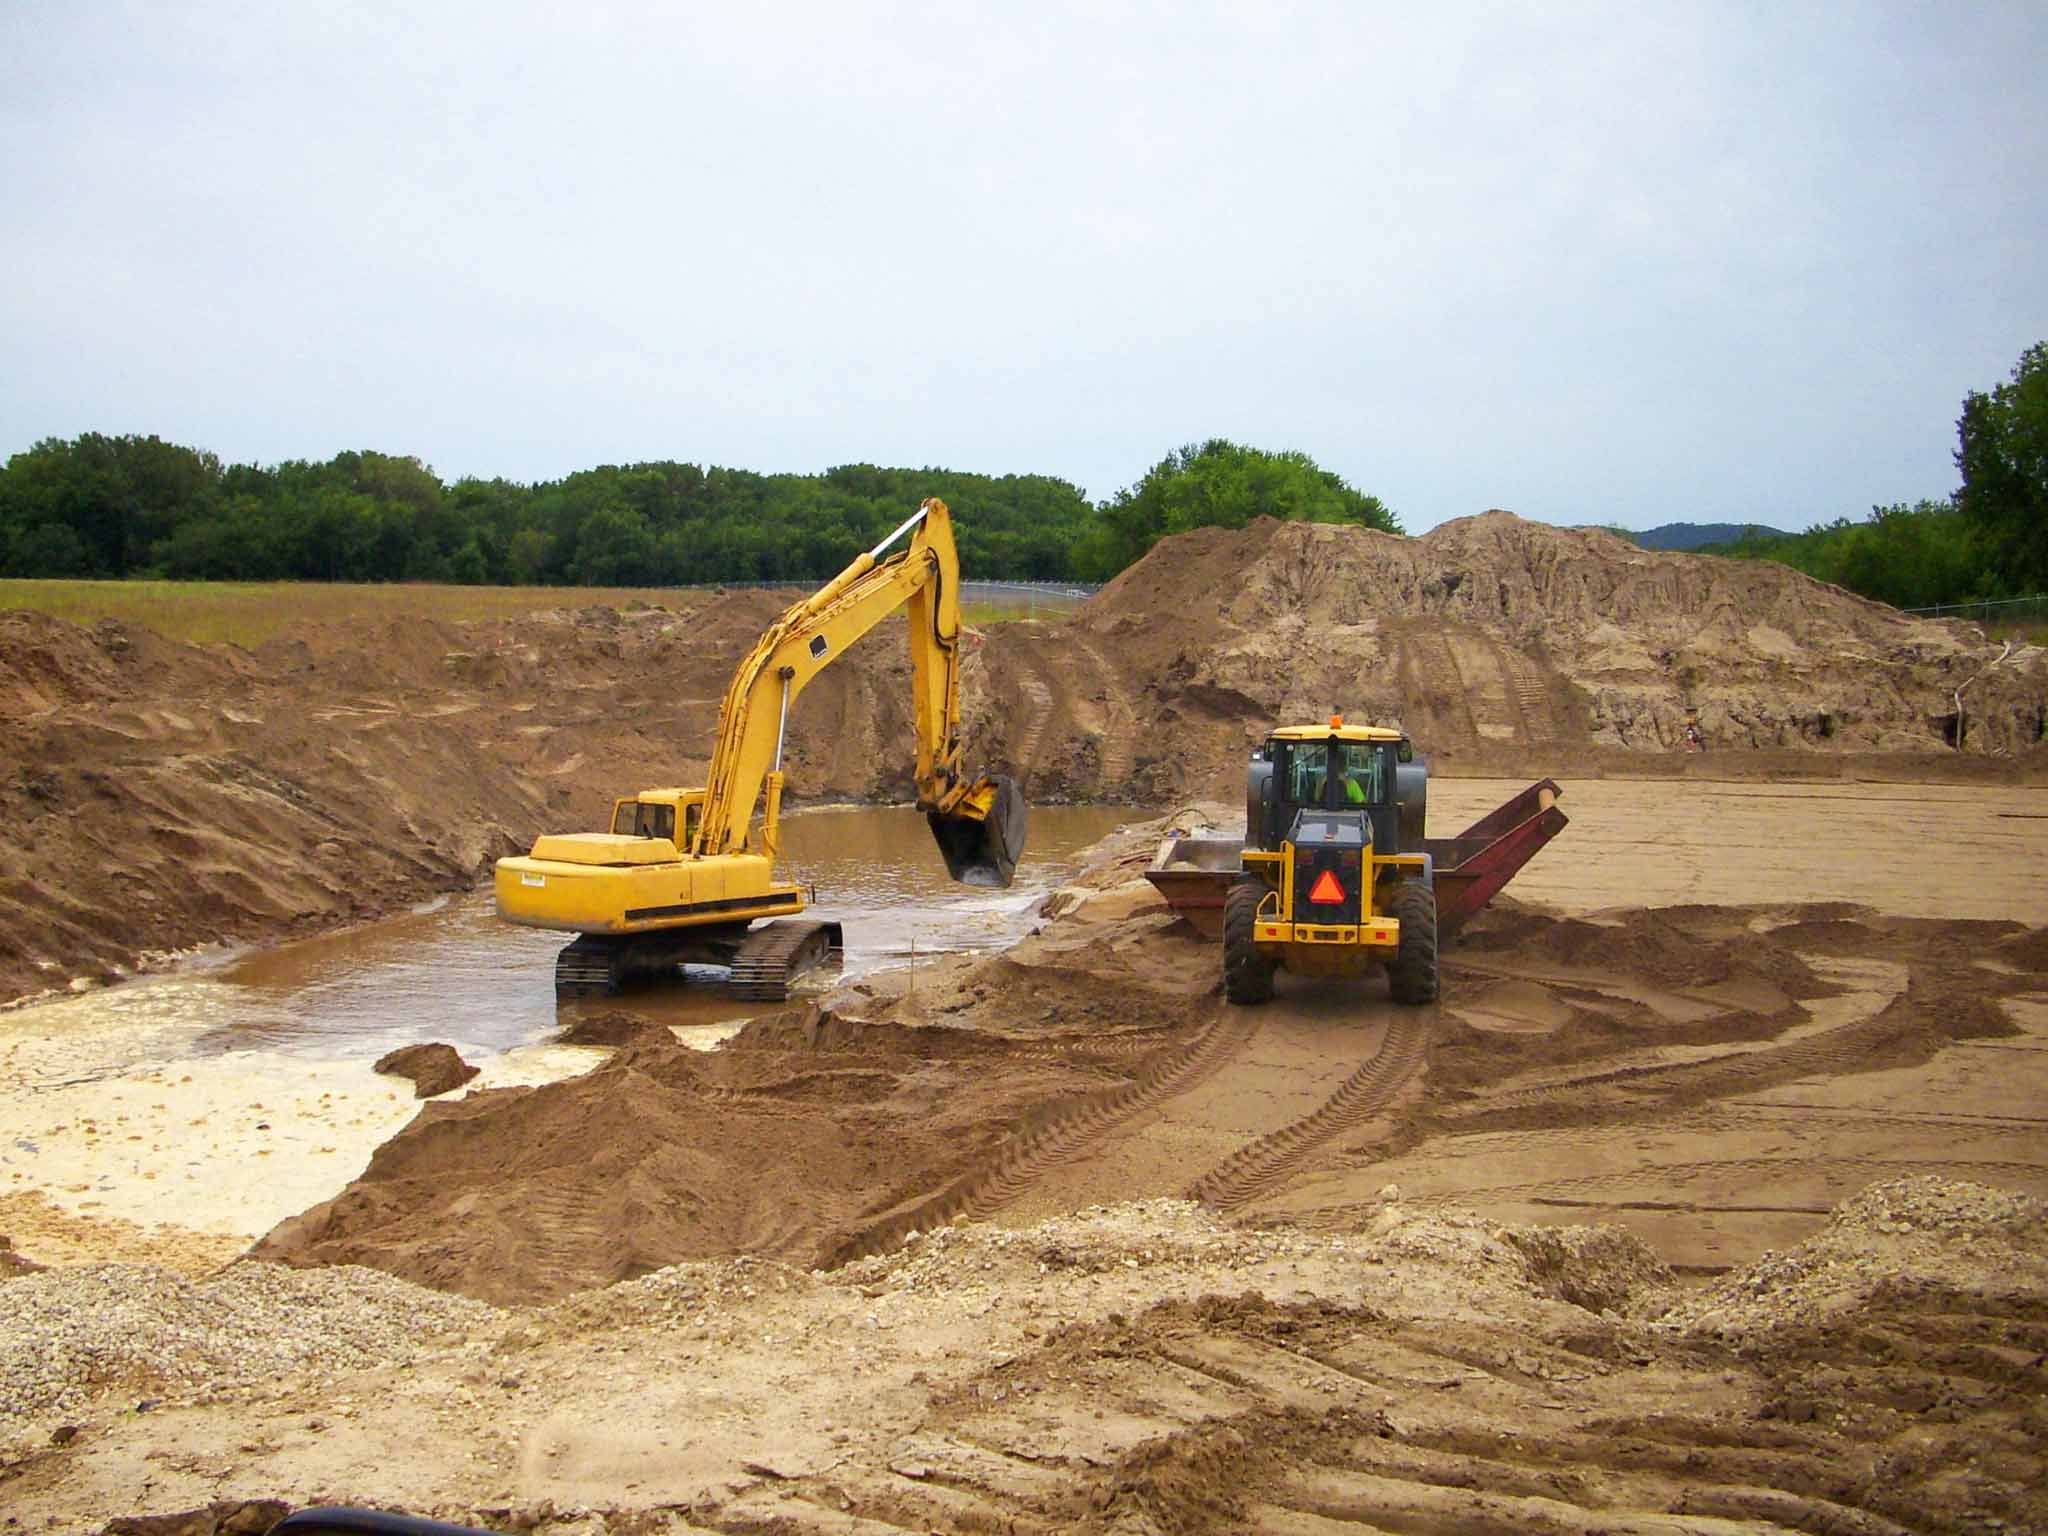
(68,1334)
(1918,1231)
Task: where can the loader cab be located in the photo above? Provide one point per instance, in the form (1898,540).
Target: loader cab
(1335,772)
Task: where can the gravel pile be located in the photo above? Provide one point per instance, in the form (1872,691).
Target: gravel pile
(1944,1233)
(68,1334)
(1930,1204)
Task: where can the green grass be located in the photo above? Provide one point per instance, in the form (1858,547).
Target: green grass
(250,612)
(247,613)
(2020,631)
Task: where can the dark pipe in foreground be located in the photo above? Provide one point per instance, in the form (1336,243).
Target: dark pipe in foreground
(335,1521)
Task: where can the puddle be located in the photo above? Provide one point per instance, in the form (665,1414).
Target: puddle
(452,971)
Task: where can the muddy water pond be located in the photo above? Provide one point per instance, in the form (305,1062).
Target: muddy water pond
(454,972)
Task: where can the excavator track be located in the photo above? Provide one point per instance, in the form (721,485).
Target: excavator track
(589,965)
(774,954)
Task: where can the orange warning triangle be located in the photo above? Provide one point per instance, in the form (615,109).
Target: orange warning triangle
(1326,891)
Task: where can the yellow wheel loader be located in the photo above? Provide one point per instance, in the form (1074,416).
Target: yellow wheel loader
(1334,876)
(686,875)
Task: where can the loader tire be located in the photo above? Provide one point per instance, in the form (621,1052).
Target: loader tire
(1412,973)
(1247,974)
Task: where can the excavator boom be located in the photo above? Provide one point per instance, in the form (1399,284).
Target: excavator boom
(973,820)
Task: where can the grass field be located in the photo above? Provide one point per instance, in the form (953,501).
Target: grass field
(248,613)
(2020,631)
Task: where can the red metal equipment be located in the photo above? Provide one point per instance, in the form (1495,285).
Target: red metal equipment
(1193,873)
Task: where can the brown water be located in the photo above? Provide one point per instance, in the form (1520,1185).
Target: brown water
(454,972)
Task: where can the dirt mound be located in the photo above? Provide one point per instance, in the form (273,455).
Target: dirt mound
(1667,947)
(1494,641)
(663,1154)
(1601,1269)
(615,1027)
(2028,950)
(434,1069)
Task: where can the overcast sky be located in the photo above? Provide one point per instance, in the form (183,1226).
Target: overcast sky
(1632,263)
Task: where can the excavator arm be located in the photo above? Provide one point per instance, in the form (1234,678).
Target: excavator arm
(980,822)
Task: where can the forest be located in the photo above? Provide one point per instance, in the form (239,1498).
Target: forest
(1987,541)
(100,506)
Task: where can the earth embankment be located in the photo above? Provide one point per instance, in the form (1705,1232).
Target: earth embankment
(1502,645)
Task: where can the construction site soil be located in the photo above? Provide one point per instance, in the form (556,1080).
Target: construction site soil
(336,773)
(1717,1211)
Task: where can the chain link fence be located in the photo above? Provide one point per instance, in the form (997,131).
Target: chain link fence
(983,600)
(1994,611)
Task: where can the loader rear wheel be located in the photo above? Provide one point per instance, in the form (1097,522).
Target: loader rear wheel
(1247,974)
(1412,973)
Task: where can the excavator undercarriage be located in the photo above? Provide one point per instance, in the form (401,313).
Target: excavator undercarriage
(765,959)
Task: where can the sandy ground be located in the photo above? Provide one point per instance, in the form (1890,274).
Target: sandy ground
(1410,1337)
(1707,1199)
(112,1116)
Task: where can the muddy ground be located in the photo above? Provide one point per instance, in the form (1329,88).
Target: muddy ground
(155,796)
(1707,1199)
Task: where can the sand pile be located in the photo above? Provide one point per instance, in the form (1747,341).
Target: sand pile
(1509,642)
(778,1146)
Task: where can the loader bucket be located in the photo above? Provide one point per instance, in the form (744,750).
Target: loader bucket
(983,849)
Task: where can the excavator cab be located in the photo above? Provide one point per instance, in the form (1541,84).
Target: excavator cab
(982,842)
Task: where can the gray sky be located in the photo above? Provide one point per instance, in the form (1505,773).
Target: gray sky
(1622,263)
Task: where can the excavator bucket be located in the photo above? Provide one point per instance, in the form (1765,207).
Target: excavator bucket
(982,847)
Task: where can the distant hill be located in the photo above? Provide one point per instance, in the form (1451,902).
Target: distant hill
(1693,535)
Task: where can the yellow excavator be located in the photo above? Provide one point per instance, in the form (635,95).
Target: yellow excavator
(683,876)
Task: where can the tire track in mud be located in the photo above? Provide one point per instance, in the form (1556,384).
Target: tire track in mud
(1885,1039)
(1529,693)
(1254,1169)
(1119,719)
(1059,1135)
(1030,676)
(1308,1416)
(1433,689)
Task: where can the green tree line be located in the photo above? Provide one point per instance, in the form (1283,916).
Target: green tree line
(1989,540)
(100,506)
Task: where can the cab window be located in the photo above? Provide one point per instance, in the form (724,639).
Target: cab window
(1361,774)
(633,819)
(1307,765)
